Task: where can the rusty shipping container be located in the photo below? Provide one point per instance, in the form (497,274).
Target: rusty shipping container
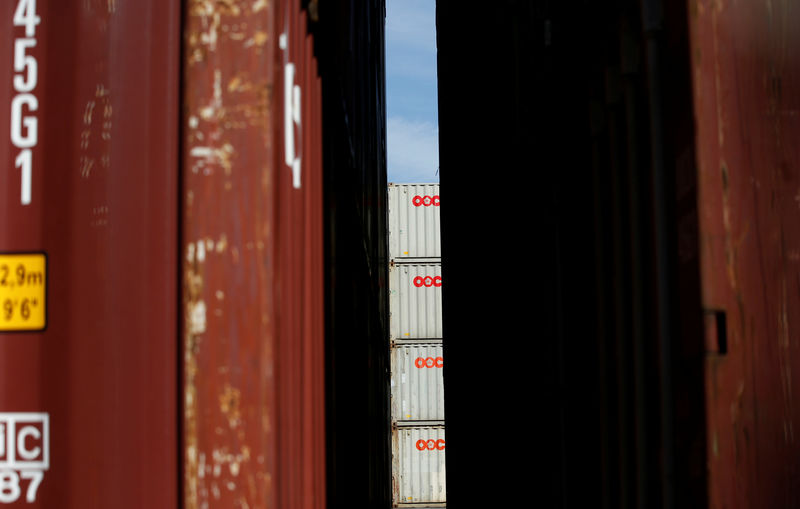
(165,264)
(745,76)
(277,254)
(253,353)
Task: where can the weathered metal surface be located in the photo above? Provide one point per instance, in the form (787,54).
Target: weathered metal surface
(420,475)
(102,205)
(746,70)
(417,382)
(252,258)
(414,230)
(415,298)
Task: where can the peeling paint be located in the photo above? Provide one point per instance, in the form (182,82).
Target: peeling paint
(197,318)
(230,69)
(222,243)
(201,251)
(229,405)
(94,138)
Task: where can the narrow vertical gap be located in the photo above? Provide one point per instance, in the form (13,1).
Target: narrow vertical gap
(412,169)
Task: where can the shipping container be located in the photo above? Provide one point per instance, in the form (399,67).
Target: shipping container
(349,42)
(419,466)
(417,387)
(89,108)
(168,245)
(414,227)
(745,80)
(417,382)
(252,234)
(194,262)
(415,299)
(588,114)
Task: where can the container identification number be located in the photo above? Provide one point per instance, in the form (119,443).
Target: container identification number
(24,454)
(24,128)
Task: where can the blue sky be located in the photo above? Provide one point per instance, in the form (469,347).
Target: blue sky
(412,119)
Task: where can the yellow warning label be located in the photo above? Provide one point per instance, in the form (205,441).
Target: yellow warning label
(23,285)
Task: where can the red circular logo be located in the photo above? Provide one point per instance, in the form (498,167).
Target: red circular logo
(427,281)
(426,200)
(430,445)
(429,362)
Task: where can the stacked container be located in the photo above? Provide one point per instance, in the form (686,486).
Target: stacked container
(415,297)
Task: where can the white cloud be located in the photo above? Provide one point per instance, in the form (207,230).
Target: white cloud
(412,151)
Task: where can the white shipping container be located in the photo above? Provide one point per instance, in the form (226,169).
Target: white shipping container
(414,221)
(417,382)
(415,300)
(419,465)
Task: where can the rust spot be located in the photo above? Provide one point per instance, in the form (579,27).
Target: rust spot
(228,7)
(192,290)
(229,405)
(260,38)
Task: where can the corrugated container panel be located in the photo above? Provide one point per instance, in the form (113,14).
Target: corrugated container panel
(415,299)
(253,415)
(414,221)
(746,73)
(419,465)
(417,382)
(89,148)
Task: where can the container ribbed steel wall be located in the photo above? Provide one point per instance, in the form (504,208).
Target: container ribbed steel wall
(414,221)
(89,149)
(252,235)
(419,469)
(417,382)
(415,298)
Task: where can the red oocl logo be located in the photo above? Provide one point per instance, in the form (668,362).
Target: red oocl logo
(429,362)
(430,445)
(425,201)
(428,281)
